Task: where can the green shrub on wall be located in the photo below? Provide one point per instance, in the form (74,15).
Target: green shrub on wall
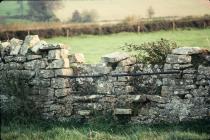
(151,52)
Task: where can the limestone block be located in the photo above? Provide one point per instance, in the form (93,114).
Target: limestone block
(121,111)
(182,66)
(55,107)
(180,91)
(29,42)
(201,91)
(15,46)
(58,54)
(114,57)
(5,48)
(129,89)
(165,91)
(104,87)
(58,64)
(39,45)
(27,74)
(101,69)
(139,98)
(127,62)
(64,72)
(40,83)
(46,74)
(189,50)
(179,59)
(35,64)
(188,87)
(62,92)
(84,112)
(14,65)
(60,83)
(204,70)
(18,59)
(77,58)
(189,71)
(33,57)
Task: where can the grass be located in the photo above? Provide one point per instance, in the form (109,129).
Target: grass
(44,130)
(94,47)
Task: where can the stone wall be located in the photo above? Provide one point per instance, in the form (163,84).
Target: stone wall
(41,72)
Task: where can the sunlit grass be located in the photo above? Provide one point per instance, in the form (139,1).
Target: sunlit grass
(95,46)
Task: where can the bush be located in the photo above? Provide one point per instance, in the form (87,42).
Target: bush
(18,103)
(151,52)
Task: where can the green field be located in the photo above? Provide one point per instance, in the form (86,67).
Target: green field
(94,47)
(103,130)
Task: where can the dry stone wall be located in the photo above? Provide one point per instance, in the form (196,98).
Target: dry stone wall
(41,72)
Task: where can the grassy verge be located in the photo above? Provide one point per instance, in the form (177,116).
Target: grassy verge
(43,130)
(94,47)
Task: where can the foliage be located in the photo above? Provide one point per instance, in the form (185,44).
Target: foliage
(42,10)
(152,52)
(150,12)
(18,104)
(85,16)
(76,16)
(89,16)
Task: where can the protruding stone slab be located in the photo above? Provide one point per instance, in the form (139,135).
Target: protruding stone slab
(178,59)
(127,62)
(189,50)
(121,111)
(114,57)
(53,47)
(15,46)
(29,42)
(18,59)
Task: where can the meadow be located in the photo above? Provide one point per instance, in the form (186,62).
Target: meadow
(103,130)
(95,46)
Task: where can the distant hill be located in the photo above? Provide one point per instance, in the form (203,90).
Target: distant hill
(119,9)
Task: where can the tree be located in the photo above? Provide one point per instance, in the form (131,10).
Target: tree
(89,16)
(42,10)
(150,12)
(76,16)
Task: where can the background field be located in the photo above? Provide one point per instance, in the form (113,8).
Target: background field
(94,47)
